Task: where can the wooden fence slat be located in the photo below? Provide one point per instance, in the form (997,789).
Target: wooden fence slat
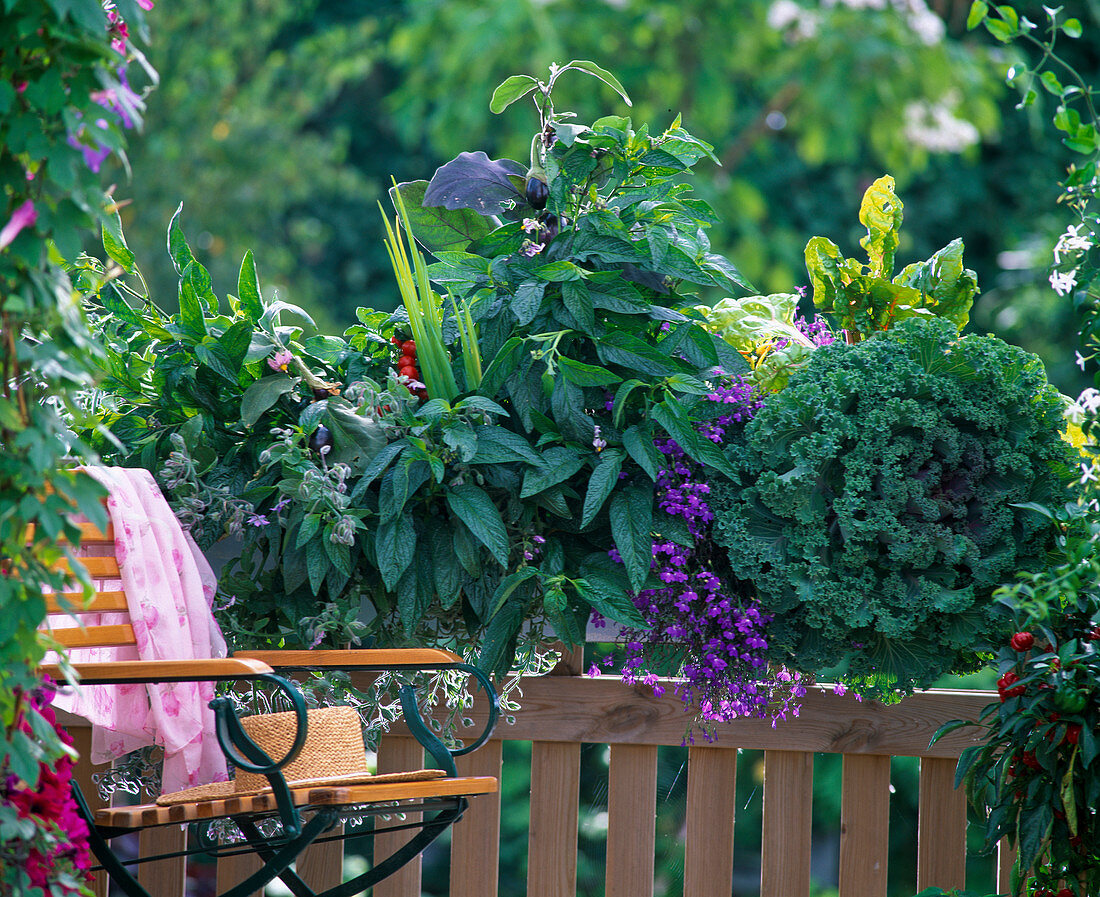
(164,877)
(941,827)
(604,710)
(555,800)
(397,754)
(788,807)
(631,820)
(321,866)
(475,844)
(1006,857)
(711,804)
(864,825)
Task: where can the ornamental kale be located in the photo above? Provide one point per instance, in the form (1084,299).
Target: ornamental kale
(882,496)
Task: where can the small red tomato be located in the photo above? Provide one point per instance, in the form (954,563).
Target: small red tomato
(411,373)
(1093,635)
(1066,892)
(1073,733)
(1022,641)
(409,347)
(1029,760)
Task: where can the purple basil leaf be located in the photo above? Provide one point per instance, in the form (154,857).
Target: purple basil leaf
(474,181)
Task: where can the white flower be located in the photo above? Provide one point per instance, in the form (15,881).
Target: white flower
(1088,474)
(1080,359)
(1089,400)
(1072,241)
(1063,282)
(926,25)
(933,126)
(786,15)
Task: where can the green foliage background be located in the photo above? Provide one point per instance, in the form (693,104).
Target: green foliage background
(280,123)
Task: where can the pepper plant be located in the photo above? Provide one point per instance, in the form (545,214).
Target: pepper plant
(1036,779)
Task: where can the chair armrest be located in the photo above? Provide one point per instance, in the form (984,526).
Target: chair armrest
(153,671)
(385,659)
(381,659)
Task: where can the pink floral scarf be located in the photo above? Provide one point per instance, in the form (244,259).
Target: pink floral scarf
(170,589)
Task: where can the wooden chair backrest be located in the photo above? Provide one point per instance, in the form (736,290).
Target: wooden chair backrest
(99,559)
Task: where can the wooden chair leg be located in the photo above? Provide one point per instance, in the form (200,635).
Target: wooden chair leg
(163,877)
(234,869)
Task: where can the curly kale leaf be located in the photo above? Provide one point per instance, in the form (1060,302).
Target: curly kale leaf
(878,501)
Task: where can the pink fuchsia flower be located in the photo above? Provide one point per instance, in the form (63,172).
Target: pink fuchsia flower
(280,360)
(24,216)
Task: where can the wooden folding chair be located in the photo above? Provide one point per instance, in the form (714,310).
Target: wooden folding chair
(442,800)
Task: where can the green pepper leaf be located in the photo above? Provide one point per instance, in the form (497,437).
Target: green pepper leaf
(472,505)
(631,527)
(600,485)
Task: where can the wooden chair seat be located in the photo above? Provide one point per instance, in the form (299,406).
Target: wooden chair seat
(149,815)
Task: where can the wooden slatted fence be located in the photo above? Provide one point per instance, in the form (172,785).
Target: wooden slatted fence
(560,713)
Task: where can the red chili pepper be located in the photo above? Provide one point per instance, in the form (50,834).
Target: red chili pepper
(1022,641)
(1005,686)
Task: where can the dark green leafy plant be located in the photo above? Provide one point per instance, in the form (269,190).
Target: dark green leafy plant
(882,496)
(196,396)
(1036,779)
(457,521)
(65,104)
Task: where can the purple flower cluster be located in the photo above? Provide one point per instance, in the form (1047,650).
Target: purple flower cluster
(722,629)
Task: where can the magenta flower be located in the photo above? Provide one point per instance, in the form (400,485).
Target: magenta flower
(280,360)
(25,216)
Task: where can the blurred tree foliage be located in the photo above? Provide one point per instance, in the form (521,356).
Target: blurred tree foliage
(280,122)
